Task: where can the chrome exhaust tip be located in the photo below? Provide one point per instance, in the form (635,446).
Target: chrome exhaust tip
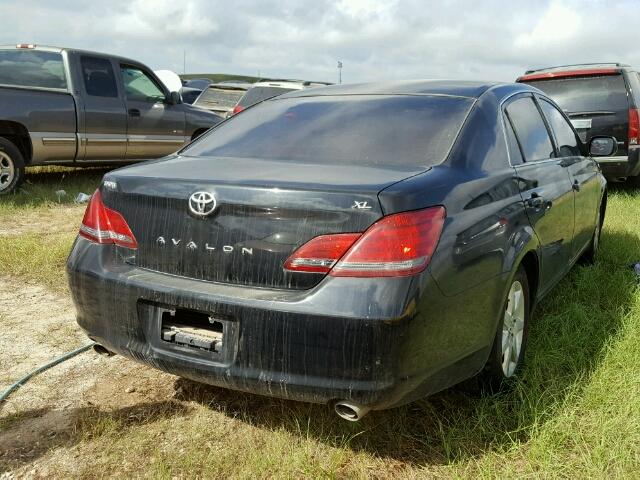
(100,350)
(349,411)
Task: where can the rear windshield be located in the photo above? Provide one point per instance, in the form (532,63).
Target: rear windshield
(32,68)
(258,94)
(354,130)
(215,98)
(586,94)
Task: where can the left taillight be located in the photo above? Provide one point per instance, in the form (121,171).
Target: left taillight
(105,226)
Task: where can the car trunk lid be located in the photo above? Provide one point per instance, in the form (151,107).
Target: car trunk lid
(264,211)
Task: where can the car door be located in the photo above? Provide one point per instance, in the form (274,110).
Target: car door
(583,173)
(154,127)
(103,134)
(545,188)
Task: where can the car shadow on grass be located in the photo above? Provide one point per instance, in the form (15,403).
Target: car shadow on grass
(567,341)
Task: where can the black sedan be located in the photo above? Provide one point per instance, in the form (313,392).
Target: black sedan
(360,246)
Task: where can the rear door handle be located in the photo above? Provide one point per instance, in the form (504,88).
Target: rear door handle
(576,185)
(134,112)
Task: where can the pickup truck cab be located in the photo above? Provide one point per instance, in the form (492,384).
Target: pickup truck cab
(61,106)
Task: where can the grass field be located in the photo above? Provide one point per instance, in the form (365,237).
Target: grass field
(574,413)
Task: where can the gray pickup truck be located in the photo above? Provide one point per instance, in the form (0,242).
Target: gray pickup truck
(61,106)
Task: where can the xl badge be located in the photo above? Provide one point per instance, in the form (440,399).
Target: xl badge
(202,204)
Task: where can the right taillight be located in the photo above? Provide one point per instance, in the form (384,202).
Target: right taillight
(237,109)
(634,126)
(105,226)
(397,245)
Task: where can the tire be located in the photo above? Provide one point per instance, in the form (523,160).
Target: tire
(12,169)
(590,256)
(634,181)
(509,344)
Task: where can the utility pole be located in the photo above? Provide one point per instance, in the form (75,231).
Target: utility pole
(184,61)
(339,71)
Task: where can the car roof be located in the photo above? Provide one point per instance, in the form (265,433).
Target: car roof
(49,48)
(231,86)
(279,84)
(457,88)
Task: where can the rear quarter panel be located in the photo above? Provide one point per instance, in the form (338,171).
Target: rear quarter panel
(486,231)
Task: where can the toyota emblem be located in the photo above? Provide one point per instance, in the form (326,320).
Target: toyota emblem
(202,204)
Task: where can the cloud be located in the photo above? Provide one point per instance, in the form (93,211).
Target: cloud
(559,24)
(166,18)
(375,40)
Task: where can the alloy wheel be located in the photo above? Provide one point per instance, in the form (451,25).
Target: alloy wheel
(596,236)
(513,328)
(7,171)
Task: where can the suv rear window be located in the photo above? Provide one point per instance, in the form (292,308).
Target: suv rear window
(356,130)
(258,94)
(217,98)
(586,94)
(32,68)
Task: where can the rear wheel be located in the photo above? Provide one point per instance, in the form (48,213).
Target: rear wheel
(11,167)
(510,341)
(591,254)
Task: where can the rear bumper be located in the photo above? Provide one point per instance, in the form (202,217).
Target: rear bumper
(364,341)
(621,166)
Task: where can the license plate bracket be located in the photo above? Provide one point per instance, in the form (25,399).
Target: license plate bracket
(192,329)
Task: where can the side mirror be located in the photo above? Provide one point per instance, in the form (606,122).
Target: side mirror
(602,146)
(175,98)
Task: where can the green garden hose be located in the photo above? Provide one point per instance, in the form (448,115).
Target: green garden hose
(44,367)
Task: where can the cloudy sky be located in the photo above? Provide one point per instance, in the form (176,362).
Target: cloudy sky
(391,39)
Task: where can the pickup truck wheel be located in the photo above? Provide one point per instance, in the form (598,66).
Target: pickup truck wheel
(634,181)
(11,167)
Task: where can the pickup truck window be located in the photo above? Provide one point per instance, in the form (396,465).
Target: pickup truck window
(99,80)
(139,86)
(32,68)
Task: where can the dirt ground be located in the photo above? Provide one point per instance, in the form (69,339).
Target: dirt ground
(37,421)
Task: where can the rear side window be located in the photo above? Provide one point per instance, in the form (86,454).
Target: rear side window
(530,129)
(586,94)
(99,80)
(258,94)
(515,155)
(565,136)
(356,130)
(32,68)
